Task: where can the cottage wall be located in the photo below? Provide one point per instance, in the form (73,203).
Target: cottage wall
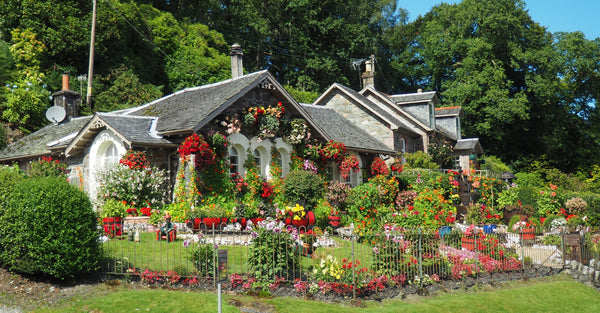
(362,118)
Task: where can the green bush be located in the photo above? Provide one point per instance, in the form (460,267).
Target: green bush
(303,186)
(49,228)
(529,180)
(494,164)
(419,159)
(528,196)
(9,176)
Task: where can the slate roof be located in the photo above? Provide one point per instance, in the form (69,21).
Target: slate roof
(471,144)
(135,129)
(414,97)
(40,142)
(191,108)
(448,111)
(340,129)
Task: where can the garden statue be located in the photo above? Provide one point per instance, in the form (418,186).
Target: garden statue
(167,230)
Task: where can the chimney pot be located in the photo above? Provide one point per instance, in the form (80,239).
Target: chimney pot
(65,81)
(237,66)
(368,77)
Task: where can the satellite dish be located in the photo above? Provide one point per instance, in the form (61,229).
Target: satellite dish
(55,114)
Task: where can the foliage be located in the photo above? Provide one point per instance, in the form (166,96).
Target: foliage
(114,208)
(138,187)
(48,227)
(9,176)
(271,254)
(27,97)
(509,196)
(494,164)
(201,254)
(430,211)
(533,179)
(322,211)
(419,159)
(48,167)
(549,201)
(125,90)
(440,152)
(481,214)
(303,186)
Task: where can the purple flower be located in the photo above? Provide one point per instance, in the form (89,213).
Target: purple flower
(186,243)
(254,235)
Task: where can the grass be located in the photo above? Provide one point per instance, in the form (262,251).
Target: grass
(163,256)
(553,294)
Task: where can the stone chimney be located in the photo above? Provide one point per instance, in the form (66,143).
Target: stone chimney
(237,66)
(368,77)
(67,99)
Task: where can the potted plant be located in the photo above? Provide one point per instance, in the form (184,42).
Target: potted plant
(309,239)
(483,215)
(470,238)
(524,224)
(213,215)
(112,214)
(334,218)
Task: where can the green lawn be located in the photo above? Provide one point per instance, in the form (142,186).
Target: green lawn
(164,256)
(554,294)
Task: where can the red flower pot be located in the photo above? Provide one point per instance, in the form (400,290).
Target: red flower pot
(528,233)
(211,222)
(334,221)
(112,226)
(255,220)
(194,223)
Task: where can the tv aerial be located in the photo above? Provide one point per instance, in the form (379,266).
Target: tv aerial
(55,114)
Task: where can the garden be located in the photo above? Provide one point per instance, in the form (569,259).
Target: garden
(303,234)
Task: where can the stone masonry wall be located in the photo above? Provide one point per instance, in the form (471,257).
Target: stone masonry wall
(587,274)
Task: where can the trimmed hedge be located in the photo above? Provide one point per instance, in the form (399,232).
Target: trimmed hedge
(48,228)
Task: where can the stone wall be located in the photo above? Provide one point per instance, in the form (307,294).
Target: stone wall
(587,274)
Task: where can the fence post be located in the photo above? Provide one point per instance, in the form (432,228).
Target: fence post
(352,268)
(420,260)
(214,255)
(562,247)
(522,252)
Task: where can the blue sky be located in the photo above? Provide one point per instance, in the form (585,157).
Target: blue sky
(555,15)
